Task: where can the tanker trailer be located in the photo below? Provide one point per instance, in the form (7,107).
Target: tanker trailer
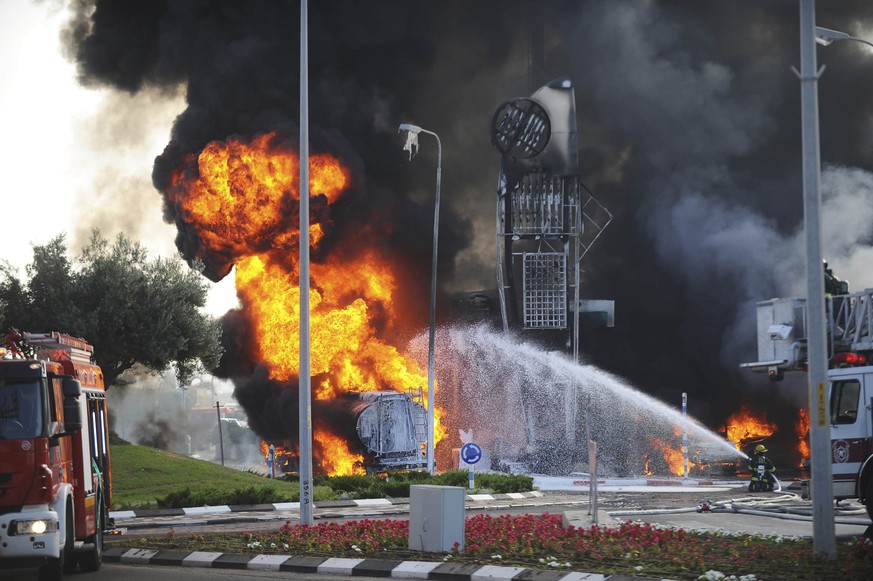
(391,427)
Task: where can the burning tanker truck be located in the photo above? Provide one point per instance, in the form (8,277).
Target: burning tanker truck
(392,429)
(388,429)
(782,348)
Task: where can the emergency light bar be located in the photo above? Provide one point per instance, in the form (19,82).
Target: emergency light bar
(848,358)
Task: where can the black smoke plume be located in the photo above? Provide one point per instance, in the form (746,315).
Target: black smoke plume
(689,132)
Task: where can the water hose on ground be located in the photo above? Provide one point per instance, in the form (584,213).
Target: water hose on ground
(752,505)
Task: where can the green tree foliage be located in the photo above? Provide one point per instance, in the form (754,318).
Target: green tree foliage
(13,298)
(132,309)
(50,287)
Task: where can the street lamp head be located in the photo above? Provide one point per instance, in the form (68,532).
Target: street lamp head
(412,132)
(825,36)
(409,127)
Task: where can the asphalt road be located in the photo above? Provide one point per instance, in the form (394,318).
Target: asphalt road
(114,572)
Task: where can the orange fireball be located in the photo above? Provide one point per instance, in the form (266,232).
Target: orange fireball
(239,195)
(242,199)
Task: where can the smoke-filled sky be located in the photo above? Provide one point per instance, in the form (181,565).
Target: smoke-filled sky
(688,127)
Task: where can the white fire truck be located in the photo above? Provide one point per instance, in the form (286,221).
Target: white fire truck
(54,455)
(782,348)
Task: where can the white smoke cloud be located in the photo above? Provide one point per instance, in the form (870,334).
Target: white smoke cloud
(847,224)
(711,244)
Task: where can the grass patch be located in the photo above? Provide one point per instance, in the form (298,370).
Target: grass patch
(144,477)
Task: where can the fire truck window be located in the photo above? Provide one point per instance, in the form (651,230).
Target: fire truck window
(20,410)
(844,401)
(57,405)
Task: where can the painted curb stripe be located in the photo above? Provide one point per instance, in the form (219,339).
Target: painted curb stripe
(266,562)
(200,559)
(414,569)
(339,566)
(344,566)
(206,510)
(138,556)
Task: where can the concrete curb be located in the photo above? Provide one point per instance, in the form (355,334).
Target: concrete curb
(365,502)
(351,567)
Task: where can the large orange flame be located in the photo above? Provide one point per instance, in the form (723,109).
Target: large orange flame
(242,197)
(672,454)
(237,194)
(746,425)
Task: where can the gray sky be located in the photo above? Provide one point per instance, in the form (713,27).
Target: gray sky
(62,147)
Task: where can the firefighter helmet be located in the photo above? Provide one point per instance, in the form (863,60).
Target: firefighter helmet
(760,449)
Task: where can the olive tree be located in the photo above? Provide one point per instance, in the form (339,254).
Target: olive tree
(134,310)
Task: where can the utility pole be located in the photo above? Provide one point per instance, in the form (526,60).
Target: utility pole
(305,403)
(220,437)
(822,488)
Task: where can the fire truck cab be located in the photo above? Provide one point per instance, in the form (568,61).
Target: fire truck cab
(54,455)
(851,419)
(782,349)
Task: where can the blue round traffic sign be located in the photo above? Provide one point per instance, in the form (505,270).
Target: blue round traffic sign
(471,453)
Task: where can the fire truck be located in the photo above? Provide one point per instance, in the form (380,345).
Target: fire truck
(55,480)
(782,348)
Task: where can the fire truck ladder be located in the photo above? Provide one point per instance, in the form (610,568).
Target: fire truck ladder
(850,321)
(78,350)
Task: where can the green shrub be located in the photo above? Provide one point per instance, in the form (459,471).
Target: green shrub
(413,476)
(452,478)
(213,497)
(501,483)
(396,488)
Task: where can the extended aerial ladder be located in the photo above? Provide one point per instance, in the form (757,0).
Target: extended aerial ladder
(782,336)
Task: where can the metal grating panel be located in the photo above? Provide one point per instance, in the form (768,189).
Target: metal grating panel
(544,205)
(545,290)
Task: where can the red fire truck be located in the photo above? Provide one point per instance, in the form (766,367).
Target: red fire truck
(782,348)
(55,480)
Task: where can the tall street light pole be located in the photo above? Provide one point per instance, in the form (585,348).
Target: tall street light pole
(412,144)
(823,36)
(305,394)
(824,539)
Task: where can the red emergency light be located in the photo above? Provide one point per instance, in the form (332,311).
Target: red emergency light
(849,358)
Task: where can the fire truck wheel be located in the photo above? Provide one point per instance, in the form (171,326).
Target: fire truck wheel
(92,560)
(54,569)
(869,498)
(69,557)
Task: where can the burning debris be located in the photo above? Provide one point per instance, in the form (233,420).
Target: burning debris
(746,427)
(801,428)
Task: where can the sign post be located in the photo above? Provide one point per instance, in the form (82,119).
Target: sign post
(471,454)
